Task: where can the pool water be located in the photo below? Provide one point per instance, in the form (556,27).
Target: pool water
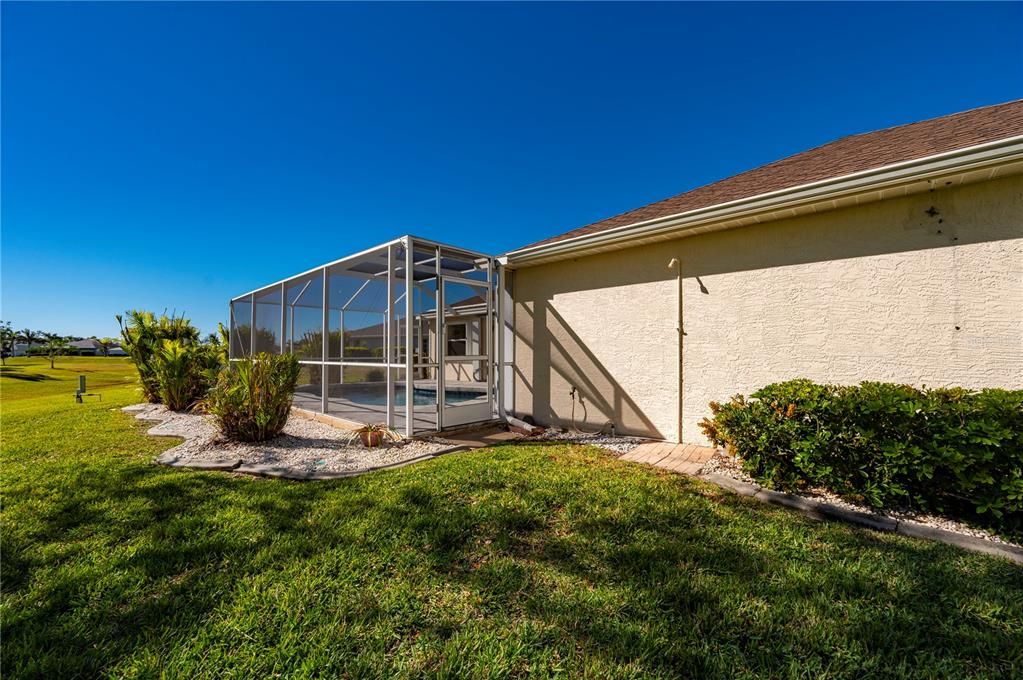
(376,395)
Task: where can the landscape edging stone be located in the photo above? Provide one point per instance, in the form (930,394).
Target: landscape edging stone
(824,510)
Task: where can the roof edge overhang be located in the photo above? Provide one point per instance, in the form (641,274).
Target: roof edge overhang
(753,209)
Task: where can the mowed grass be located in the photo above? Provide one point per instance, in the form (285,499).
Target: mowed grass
(513,561)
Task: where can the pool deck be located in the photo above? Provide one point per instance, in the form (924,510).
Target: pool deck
(358,413)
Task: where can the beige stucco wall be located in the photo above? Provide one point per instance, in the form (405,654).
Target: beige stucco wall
(883,291)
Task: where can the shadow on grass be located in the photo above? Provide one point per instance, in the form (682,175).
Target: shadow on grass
(18,373)
(620,569)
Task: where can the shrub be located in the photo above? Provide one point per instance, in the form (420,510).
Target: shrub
(251,399)
(142,336)
(947,450)
(184,372)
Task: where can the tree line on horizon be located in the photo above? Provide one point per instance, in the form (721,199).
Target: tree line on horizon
(44,343)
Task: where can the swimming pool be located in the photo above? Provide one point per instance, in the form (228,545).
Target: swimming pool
(376,395)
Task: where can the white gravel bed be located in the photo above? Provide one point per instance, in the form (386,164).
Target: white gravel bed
(729,466)
(305,445)
(615,444)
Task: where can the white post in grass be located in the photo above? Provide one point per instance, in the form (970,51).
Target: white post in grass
(409,311)
(389,336)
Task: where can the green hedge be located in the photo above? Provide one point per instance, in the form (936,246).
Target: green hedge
(948,450)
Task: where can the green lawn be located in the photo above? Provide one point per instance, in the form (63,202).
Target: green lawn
(519,560)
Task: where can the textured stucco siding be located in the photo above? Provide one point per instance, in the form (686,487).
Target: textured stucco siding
(608,330)
(892,290)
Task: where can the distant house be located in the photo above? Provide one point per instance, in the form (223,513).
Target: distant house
(86,348)
(91,347)
(20,349)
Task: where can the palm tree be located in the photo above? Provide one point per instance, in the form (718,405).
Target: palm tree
(7,336)
(105,344)
(55,346)
(143,333)
(28,336)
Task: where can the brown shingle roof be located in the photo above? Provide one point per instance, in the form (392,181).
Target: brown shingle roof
(844,156)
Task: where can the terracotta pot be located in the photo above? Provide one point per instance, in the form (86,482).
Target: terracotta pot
(371,439)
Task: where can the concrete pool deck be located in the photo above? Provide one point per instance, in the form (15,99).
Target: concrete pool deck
(356,412)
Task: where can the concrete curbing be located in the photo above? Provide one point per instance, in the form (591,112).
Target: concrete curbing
(863,519)
(278,472)
(824,510)
(805,505)
(917,530)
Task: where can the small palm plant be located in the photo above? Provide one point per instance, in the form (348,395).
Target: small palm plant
(178,369)
(374,435)
(251,400)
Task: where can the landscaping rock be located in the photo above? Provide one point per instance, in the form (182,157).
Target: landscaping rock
(306,450)
(614,443)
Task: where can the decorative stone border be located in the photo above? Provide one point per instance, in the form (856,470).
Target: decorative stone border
(823,510)
(166,428)
(283,472)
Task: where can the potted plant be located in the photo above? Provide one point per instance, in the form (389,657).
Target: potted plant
(372,435)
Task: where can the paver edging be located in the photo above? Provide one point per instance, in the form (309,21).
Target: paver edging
(824,510)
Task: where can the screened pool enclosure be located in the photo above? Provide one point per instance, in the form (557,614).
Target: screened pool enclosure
(370,342)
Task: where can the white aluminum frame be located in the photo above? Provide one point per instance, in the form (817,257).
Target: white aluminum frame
(432,268)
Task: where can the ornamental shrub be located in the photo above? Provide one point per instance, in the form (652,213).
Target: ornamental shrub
(251,399)
(142,337)
(183,372)
(948,450)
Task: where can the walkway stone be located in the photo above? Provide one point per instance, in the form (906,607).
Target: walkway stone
(684,458)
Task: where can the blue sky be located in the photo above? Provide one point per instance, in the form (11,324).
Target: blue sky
(170,156)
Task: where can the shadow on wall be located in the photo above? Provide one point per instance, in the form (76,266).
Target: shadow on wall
(554,353)
(600,399)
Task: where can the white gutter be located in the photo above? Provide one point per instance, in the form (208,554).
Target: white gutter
(959,160)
